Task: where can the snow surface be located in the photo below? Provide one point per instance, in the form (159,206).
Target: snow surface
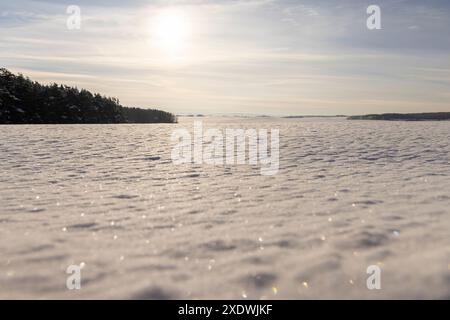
(349,194)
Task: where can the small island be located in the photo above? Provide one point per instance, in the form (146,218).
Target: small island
(23,101)
(431,116)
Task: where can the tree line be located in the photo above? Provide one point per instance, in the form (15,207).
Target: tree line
(430,116)
(23,101)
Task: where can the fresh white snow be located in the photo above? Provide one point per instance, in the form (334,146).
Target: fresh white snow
(348,194)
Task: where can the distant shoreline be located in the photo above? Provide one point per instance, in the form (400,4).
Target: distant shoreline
(430,116)
(314,116)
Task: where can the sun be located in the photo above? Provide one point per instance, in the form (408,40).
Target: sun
(171,30)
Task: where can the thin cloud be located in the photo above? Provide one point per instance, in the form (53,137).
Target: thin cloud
(271,56)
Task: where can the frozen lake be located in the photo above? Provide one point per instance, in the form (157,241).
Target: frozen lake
(348,194)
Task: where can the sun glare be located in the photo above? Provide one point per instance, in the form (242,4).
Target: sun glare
(171,30)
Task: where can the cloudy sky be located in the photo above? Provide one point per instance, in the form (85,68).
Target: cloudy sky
(238,56)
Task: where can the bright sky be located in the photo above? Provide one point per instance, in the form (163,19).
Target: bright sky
(280,57)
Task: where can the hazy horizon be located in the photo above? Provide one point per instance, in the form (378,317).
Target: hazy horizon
(263,57)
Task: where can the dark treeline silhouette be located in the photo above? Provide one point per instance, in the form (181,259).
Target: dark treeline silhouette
(430,116)
(137,115)
(23,101)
